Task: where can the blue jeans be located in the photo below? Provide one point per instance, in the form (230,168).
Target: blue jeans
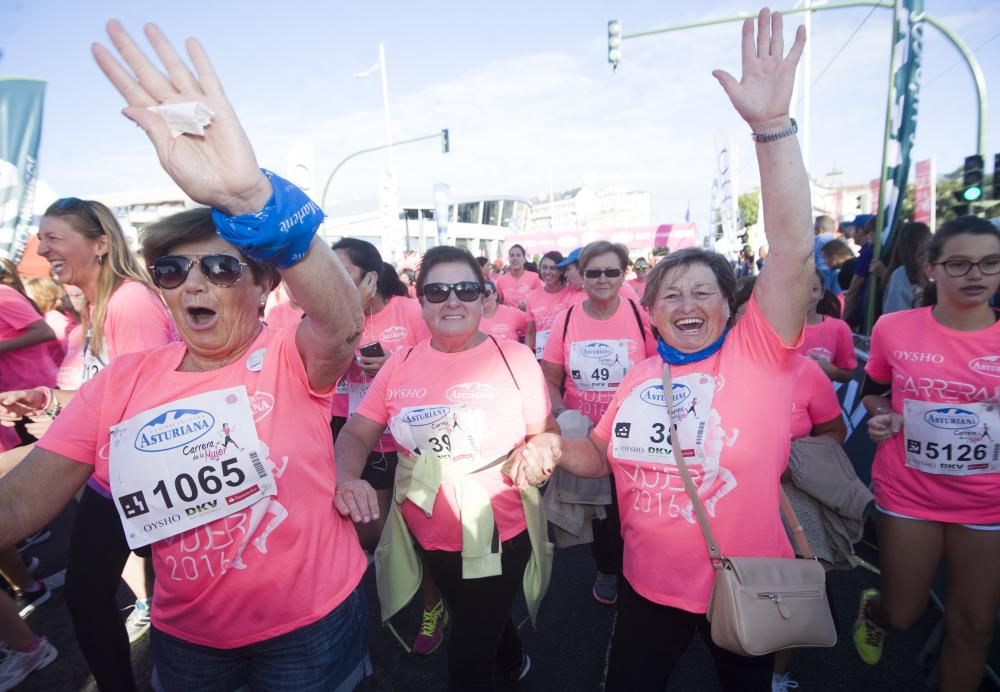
(329,654)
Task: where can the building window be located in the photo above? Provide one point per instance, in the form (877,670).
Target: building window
(491,213)
(468,212)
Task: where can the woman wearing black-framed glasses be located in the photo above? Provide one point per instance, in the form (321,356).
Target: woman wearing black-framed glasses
(456,405)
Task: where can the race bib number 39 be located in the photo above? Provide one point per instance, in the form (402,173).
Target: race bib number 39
(185,464)
(952,439)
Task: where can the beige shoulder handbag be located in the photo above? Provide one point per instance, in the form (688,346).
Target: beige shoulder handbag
(760,604)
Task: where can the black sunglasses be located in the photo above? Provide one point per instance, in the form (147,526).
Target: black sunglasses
(596,273)
(467,291)
(75,203)
(172,270)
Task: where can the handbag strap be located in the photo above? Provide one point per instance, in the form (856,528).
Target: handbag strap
(798,533)
(699,509)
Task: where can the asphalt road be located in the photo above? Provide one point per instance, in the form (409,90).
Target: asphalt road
(568,648)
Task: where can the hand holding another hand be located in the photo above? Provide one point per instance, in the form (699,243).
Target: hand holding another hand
(532,463)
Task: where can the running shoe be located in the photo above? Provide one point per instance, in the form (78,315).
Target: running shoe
(137,623)
(17,665)
(431,630)
(34,539)
(782,682)
(868,635)
(27,601)
(606,589)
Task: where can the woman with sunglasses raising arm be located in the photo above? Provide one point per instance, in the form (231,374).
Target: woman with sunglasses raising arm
(204,443)
(87,248)
(932,389)
(456,405)
(590,348)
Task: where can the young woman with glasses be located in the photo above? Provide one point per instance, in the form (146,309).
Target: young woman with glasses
(456,405)
(932,390)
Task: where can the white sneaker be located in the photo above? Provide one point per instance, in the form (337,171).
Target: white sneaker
(782,682)
(137,623)
(19,664)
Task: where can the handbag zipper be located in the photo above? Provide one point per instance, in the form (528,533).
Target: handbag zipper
(776,598)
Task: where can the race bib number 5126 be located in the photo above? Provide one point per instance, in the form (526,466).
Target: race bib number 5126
(952,439)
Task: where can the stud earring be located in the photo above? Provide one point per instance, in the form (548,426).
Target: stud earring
(100,259)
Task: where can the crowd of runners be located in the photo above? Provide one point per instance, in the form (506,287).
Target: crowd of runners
(241,410)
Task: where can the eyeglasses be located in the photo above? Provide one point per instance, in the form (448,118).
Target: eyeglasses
(596,273)
(640,267)
(222,270)
(73,203)
(467,291)
(988,266)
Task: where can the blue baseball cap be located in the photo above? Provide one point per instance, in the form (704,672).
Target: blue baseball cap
(570,258)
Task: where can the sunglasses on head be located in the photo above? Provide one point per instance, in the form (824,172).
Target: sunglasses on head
(172,270)
(75,203)
(596,273)
(467,291)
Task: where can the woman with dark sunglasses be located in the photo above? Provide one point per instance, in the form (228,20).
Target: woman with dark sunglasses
(456,405)
(87,248)
(932,386)
(501,321)
(226,521)
(590,348)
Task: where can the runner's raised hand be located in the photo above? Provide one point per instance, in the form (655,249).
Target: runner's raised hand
(764,92)
(218,169)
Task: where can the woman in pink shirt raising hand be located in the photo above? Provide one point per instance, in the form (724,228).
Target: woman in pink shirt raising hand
(730,396)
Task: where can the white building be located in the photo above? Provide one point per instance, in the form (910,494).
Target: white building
(586,208)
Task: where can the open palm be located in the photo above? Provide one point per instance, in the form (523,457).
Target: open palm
(764,92)
(218,169)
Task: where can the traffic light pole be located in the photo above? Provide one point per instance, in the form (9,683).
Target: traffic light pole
(970,60)
(445,147)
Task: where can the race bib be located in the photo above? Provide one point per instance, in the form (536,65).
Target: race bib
(452,433)
(952,439)
(341,387)
(598,366)
(93,363)
(185,464)
(355,393)
(541,338)
(640,432)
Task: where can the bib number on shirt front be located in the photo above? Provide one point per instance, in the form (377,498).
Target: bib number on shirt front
(952,439)
(449,432)
(185,464)
(541,338)
(598,366)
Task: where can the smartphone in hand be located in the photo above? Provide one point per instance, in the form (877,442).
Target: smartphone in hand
(372,350)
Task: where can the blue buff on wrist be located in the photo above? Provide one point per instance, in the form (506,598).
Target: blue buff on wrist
(280,233)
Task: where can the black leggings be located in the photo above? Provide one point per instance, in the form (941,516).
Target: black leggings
(608,546)
(483,639)
(97,555)
(650,638)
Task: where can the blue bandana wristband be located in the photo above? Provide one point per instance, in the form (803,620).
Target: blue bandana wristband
(671,355)
(280,233)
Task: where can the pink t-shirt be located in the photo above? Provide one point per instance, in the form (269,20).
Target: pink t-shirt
(470,397)
(283,315)
(813,398)
(830,340)
(596,354)
(70,375)
(506,323)
(25,367)
(311,559)
(515,291)
(399,324)
(62,326)
(543,307)
(924,361)
(731,411)
(637,286)
(136,321)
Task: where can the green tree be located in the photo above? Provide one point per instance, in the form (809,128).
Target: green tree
(749,203)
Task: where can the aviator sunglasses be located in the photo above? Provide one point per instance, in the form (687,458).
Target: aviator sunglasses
(596,273)
(467,291)
(172,270)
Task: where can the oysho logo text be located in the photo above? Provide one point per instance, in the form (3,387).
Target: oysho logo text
(918,357)
(406,393)
(173,429)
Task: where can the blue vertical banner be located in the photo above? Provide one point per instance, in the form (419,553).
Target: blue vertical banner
(442,195)
(909,50)
(21,103)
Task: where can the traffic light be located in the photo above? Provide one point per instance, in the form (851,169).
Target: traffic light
(972,178)
(614,42)
(445,144)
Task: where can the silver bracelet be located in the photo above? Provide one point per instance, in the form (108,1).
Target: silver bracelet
(774,135)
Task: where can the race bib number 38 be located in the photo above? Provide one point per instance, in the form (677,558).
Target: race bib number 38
(952,439)
(187,463)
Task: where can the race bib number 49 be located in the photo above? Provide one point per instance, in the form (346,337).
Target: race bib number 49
(953,439)
(185,464)
(598,366)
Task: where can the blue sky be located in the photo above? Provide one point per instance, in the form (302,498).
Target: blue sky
(524,87)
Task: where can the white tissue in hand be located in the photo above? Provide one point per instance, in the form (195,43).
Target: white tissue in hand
(191,117)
